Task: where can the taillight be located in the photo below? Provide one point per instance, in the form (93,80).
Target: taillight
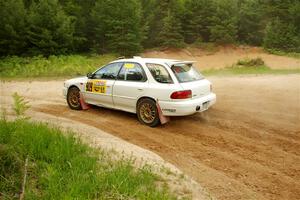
(185,94)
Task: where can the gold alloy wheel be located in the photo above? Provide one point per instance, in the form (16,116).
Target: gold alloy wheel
(147,113)
(74,98)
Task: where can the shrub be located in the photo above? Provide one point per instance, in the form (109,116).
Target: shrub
(20,105)
(254,62)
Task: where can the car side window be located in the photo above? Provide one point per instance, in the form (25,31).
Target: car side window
(159,73)
(131,72)
(109,71)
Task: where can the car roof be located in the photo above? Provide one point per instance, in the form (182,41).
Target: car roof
(163,61)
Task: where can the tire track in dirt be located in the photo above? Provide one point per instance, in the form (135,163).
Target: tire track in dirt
(239,157)
(248,149)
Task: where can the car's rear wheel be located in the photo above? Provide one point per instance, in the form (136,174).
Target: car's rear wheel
(147,112)
(73,98)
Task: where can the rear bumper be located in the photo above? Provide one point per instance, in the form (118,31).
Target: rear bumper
(188,107)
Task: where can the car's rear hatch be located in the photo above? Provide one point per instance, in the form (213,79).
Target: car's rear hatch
(191,79)
(199,88)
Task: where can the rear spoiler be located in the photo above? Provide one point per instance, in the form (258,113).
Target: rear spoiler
(180,62)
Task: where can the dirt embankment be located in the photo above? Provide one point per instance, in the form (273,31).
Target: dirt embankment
(246,147)
(225,57)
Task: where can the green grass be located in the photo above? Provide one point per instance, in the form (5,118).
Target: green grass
(75,65)
(61,167)
(249,66)
(54,66)
(248,70)
(282,53)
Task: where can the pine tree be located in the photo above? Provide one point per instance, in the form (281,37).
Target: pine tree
(117,26)
(159,12)
(281,36)
(250,25)
(81,13)
(165,27)
(147,20)
(283,28)
(224,22)
(13,27)
(50,30)
(294,12)
(170,35)
(197,20)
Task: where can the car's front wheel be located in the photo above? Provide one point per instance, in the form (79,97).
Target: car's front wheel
(147,112)
(73,98)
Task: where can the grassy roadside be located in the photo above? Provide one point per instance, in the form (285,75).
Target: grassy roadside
(62,67)
(52,67)
(260,70)
(281,53)
(61,167)
(247,66)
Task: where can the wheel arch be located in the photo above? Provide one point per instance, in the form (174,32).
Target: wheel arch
(144,97)
(73,86)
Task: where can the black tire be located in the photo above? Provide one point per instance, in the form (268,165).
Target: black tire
(147,112)
(73,98)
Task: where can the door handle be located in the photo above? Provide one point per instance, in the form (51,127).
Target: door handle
(140,89)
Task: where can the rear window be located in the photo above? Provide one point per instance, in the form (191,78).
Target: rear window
(159,73)
(186,72)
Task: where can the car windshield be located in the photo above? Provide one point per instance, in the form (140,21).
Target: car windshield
(186,72)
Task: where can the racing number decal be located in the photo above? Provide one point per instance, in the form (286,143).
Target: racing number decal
(129,65)
(89,86)
(97,86)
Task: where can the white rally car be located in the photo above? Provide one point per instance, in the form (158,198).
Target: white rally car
(145,86)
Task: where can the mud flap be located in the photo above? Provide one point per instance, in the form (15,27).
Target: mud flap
(163,119)
(84,105)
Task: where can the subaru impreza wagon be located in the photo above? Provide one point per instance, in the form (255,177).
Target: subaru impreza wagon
(148,87)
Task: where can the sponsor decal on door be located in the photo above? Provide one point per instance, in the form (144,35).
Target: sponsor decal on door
(97,86)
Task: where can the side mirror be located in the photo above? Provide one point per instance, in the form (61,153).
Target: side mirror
(89,75)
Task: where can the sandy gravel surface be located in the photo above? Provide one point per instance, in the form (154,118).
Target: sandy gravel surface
(184,186)
(246,147)
(225,57)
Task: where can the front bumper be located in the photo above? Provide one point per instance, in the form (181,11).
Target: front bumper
(187,107)
(65,91)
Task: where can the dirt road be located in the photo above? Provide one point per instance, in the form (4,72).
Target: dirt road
(246,147)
